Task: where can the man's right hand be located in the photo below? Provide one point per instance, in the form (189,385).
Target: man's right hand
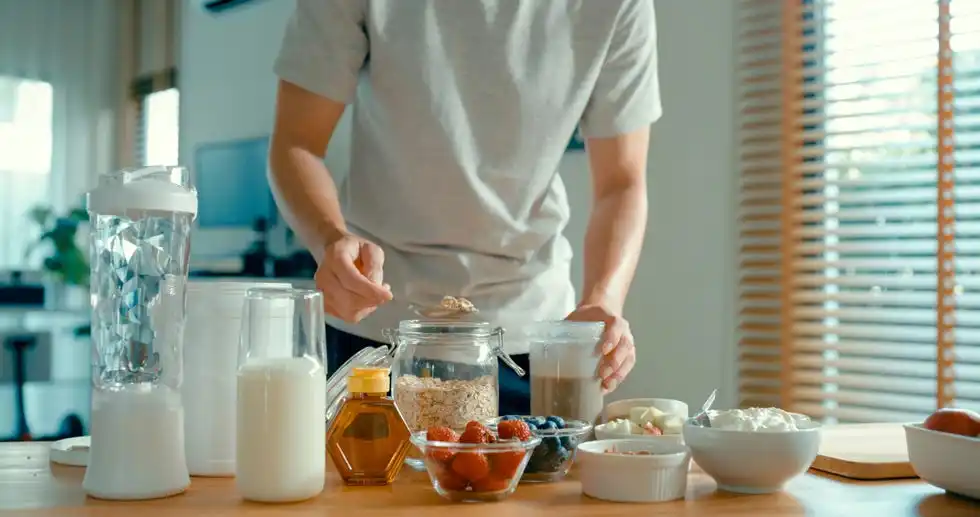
(351,277)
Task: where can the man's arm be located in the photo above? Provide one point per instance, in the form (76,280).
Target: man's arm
(618,220)
(303,188)
(323,51)
(616,122)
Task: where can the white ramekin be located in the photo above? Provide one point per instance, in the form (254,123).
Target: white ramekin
(649,478)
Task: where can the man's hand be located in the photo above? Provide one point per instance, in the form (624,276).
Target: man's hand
(351,278)
(616,346)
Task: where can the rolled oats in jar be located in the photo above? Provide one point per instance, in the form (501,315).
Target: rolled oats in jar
(444,373)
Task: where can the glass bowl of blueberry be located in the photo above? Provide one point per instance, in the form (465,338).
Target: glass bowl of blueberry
(550,460)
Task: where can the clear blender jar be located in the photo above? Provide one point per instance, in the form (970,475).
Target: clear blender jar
(140,244)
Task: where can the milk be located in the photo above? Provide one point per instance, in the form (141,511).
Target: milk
(281,431)
(137,449)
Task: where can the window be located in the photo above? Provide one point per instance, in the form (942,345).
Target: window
(158,124)
(25,163)
(859,218)
(161,127)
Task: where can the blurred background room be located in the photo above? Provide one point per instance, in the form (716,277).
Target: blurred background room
(814,229)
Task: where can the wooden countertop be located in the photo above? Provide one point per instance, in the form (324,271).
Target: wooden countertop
(31,486)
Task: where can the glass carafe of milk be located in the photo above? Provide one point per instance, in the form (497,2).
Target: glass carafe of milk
(140,243)
(280,438)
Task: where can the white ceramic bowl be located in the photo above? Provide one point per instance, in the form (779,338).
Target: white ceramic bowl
(944,460)
(660,476)
(752,462)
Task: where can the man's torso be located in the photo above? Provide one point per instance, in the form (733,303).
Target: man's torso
(461,117)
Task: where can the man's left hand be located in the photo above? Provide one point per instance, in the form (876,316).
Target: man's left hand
(618,354)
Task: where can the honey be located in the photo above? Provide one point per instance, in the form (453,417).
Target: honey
(368,438)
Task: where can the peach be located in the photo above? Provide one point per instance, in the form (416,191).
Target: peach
(954,421)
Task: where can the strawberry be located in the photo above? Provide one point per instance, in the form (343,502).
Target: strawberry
(475,434)
(441,434)
(506,464)
(442,455)
(449,480)
(471,466)
(491,484)
(518,429)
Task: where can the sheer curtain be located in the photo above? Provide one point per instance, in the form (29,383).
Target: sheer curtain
(59,90)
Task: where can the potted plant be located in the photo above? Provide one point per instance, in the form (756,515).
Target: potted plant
(65,264)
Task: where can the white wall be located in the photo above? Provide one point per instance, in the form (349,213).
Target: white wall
(682,303)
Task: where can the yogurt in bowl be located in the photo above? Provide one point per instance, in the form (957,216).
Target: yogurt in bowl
(758,420)
(753,451)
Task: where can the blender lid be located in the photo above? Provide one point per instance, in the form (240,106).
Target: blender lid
(563,331)
(151,189)
(370,357)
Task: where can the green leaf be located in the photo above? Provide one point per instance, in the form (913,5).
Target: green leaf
(41,215)
(79,215)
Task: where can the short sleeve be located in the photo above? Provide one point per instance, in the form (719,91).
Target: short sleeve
(626,96)
(324,47)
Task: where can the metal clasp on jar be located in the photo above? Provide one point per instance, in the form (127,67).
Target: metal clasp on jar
(506,358)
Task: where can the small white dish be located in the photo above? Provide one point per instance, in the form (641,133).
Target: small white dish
(71,451)
(624,478)
(621,408)
(604,433)
(750,462)
(944,460)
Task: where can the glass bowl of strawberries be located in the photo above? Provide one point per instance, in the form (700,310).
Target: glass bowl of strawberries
(476,464)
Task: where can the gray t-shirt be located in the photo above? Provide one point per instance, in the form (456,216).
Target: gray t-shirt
(462,111)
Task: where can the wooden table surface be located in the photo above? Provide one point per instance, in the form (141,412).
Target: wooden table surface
(30,485)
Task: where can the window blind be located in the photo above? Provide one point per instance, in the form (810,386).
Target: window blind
(859,206)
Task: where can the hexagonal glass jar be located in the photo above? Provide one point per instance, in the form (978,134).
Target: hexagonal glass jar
(368,438)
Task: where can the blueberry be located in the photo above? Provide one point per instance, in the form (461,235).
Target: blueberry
(552,443)
(548,424)
(531,425)
(569,442)
(539,457)
(540,452)
(559,421)
(555,460)
(536,420)
(508,417)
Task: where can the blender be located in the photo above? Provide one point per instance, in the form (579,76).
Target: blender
(140,244)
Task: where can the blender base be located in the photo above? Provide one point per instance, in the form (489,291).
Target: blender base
(137,448)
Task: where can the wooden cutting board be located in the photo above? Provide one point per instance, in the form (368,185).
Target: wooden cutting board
(864,451)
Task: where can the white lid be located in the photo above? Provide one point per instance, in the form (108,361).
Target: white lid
(229,295)
(155,188)
(217,287)
(71,451)
(270,308)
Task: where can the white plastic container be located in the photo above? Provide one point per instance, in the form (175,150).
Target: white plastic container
(650,478)
(211,342)
(281,401)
